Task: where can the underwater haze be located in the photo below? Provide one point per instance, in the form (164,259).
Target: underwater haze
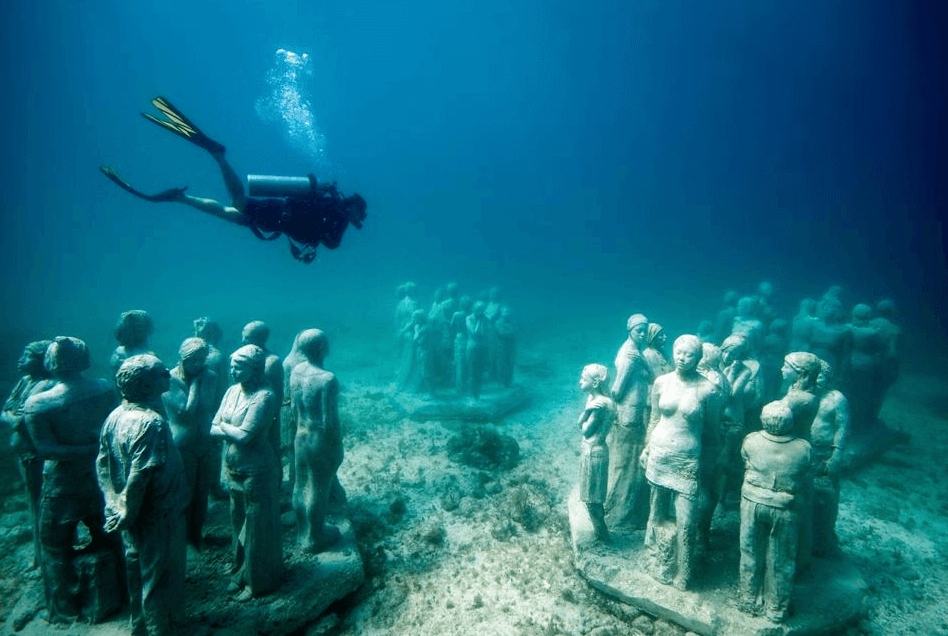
(594,159)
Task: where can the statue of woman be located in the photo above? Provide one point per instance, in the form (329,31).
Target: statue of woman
(243,421)
(627,502)
(655,350)
(684,406)
(594,422)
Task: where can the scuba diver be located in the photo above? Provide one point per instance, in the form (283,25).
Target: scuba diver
(308,212)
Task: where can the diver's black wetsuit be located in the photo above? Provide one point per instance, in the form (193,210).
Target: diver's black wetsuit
(320,216)
(299,219)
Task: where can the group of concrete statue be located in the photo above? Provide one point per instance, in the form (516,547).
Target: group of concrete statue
(135,460)
(667,442)
(457,344)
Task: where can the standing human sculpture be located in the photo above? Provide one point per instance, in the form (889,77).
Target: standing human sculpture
(476,355)
(597,418)
(866,359)
(257,333)
(891,333)
(210,332)
(506,347)
(747,324)
(655,350)
(627,501)
(35,379)
(771,358)
(64,423)
(141,475)
(800,372)
(407,305)
(459,330)
(741,406)
(132,332)
(684,405)
(244,421)
(829,338)
(776,478)
(314,398)
(828,437)
(191,402)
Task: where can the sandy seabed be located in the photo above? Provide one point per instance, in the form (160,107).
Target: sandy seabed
(454,550)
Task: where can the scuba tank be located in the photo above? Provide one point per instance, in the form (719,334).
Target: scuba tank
(264,185)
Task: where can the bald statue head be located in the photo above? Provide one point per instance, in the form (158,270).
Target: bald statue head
(255,333)
(314,344)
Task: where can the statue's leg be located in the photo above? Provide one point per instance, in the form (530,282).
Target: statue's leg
(134,577)
(750,566)
(57,530)
(31,470)
(686,521)
(302,494)
(781,563)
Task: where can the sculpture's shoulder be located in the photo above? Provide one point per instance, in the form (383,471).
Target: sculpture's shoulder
(42,401)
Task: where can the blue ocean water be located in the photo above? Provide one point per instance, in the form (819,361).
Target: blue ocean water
(594,160)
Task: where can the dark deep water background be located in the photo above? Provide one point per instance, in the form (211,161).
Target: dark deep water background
(595,161)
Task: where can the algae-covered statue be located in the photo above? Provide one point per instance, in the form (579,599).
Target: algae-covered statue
(829,338)
(476,354)
(141,475)
(132,332)
(684,405)
(506,346)
(866,358)
(627,501)
(35,379)
(800,371)
(776,477)
(594,422)
(210,332)
(655,350)
(828,436)
(314,399)
(747,324)
(244,421)
(190,403)
(64,423)
(257,333)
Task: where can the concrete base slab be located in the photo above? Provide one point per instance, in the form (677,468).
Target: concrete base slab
(493,404)
(826,597)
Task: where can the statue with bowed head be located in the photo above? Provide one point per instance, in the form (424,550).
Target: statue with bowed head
(244,421)
(627,502)
(314,401)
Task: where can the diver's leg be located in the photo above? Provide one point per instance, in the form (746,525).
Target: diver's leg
(214,208)
(235,187)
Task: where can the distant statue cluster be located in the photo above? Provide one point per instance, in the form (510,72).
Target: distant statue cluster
(458,344)
(753,409)
(135,460)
